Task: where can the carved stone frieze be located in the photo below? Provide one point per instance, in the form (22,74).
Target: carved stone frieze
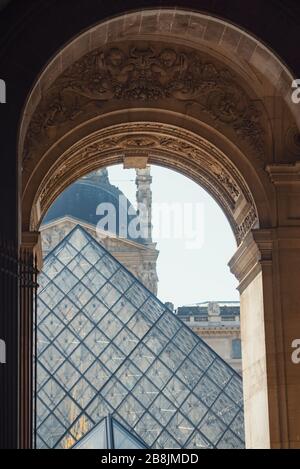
(246,225)
(141,75)
(158,143)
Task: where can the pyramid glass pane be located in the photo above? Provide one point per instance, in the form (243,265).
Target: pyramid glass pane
(109,434)
(106,345)
(122,439)
(95,439)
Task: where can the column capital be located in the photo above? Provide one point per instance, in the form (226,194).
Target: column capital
(284,174)
(257,250)
(31,241)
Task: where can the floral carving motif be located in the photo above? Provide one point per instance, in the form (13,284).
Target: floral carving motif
(149,140)
(147,73)
(246,225)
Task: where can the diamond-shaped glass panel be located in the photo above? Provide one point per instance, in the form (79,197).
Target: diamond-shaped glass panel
(111,325)
(78,238)
(107,266)
(131,410)
(181,428)
(66,310)
(96,342)
(122,280)
(194,408)
(148,429)
(197,441)
(80,295)
(229,441)
(51,295)
(237,425)
(124,310)
(81,326)
(53,267)
(65,280)
(95,280)
(129,375)
(51,326)
(112,358)
(79,266)
(146,391)
(212,427)
(97,375)
(65,253)
(225,409)
(126,340)
(95,310)
(163,409)
(82,393)
(51,358)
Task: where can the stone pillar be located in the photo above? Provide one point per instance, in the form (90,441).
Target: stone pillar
(267,265)
(144,202)
(30,263)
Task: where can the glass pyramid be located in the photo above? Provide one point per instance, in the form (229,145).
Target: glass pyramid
(109,434)
(107,346)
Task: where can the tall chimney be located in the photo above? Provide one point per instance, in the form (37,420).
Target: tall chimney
(144,202)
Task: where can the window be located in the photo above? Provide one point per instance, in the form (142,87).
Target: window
(236,349)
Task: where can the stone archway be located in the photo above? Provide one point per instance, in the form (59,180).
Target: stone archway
(200,96)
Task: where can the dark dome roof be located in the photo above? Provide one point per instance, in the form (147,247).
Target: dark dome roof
(81,199)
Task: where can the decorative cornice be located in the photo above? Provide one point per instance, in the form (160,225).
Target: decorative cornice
(284,174)
(216,331)
(255,251)
(144,74)
(31,241)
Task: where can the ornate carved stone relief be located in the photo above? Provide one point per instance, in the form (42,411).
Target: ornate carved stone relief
(141,75)
(188,153)
(293,140)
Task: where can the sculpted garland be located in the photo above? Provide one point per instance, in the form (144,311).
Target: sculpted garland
(146,74)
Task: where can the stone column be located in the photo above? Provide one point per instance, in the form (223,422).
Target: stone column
(267,265)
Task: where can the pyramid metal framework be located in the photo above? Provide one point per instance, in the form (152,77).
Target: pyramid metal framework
(108,346)
(109,434)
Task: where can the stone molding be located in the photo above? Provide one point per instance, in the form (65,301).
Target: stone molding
(255,250)
(157,143)
(284,174)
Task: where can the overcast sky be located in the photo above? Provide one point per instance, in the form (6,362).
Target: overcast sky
(196,248)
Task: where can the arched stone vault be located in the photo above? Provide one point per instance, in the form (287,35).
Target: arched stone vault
(160,144)
(199,95)
(211,73)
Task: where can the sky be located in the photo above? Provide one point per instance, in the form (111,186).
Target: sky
(195,239)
